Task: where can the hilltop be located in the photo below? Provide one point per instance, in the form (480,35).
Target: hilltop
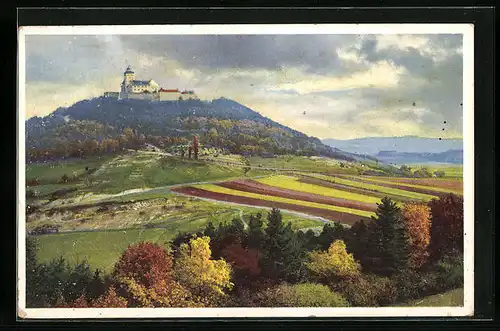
(222,123)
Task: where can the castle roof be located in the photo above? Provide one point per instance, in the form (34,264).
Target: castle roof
(140,82)
(129,70)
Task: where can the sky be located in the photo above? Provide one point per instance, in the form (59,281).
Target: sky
(327,86)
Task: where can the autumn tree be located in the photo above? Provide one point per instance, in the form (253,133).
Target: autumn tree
(195,147)
(244,261)
(334,264)
(417,218)
(388,243)
(207,279)
(447,227)
(110,299)
(144,273)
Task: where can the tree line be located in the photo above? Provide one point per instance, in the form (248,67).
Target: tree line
(405,252)
(128,139)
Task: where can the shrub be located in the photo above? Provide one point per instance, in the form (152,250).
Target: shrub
(64,179)
(301,295)
(367,290)
(446,274)
(450,271)
(439,173)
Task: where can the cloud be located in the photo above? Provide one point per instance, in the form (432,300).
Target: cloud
(382,75)
(348,86)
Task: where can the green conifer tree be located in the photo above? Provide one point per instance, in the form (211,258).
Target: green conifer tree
(329,234)
(210,230)
(283,255)
(255,236)
(388,250)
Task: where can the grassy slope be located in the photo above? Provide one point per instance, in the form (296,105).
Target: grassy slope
(291,183)
(450,170)
(102,248)
(304,163)
(51,172)
(129,171)
(219,189)
(451,298)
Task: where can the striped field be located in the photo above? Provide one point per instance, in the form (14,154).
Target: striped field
(344,198)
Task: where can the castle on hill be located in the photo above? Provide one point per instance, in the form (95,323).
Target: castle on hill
(147,90)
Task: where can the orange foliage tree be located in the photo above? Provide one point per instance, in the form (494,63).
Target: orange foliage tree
(417,218)
(144,273)
(245,261)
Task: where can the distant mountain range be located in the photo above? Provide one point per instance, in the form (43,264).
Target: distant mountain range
(407,149)
(454,156)
(221,122)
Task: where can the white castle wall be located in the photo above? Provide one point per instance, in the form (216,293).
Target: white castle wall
(169,96)
(141,96)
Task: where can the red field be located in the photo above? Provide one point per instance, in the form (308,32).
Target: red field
(442,183)
(259,188)
(328,214)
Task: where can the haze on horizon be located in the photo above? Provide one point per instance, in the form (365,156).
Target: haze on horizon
(327,86)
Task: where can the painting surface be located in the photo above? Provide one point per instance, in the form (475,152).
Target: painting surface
(244,171)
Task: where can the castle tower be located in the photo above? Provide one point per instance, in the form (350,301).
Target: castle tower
(128,77)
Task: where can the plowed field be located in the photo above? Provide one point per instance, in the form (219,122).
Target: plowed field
(259,188)
(343,217)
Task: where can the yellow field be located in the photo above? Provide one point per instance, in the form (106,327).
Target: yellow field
(374,187)
(292,183)
(219,189)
